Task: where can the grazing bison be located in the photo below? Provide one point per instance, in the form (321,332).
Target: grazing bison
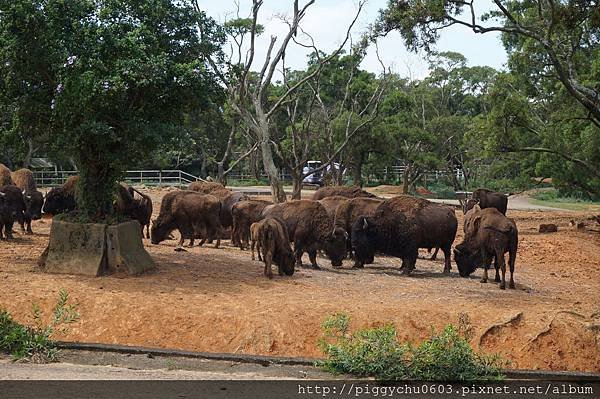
(5,179)
(193,214)
(332,203)
(136,209)
(488,234)
(487,199)
(12,206)
(342,191)
(34,200)
(274,243)
(311,229)
(62,199)
(227,197)
(400,226)
(243,214)
(347,213)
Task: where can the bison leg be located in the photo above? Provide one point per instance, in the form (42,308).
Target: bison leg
(312,255)
(497,267)
(298,251)
(28,223)
(511,264)
(260,250)
(147,230)
(268,259)
(252,245)
(358,264)
(487,260)
(1,229)
(502,264)
(447,260)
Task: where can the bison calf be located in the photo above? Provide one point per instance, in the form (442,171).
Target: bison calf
(273,242)
(488,235)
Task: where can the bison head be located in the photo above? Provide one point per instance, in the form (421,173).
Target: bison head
(335,246)
(159,232)
(466,259)
(33,204)
(364,235)
(58,201)
(286,263)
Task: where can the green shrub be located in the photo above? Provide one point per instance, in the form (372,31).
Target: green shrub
(34,343)
(376,352)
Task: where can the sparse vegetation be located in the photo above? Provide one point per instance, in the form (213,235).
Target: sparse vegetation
(376,352)
(34,343)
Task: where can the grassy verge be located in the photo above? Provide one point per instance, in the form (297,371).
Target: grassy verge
(376,352)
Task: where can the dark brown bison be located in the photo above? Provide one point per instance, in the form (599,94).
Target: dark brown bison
(5,179)
(243,214)
(205,187)
(332,203)
(400,226)
(347,213)
(34,200)
(311,229)
(274,243)
(12,206)
(134,208)
(62,199)
(342,191)
(193,214)
(488,235)
(487,199)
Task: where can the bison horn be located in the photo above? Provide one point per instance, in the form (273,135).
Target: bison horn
(456,251)
(346,235)
(23,192)
(2,194)
(365,224)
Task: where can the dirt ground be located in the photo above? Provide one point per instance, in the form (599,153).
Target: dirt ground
(217,300)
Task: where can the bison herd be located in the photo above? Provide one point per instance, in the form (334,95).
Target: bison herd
(338,221)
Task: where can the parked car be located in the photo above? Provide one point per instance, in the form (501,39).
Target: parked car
(317,178)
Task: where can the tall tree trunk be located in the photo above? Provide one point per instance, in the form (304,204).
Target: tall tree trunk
(223,164)
(29,155)
(356,166)
(406,179)
(296,184)
(277,191)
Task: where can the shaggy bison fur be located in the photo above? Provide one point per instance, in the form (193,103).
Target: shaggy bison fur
(243,214)
(488,235)
(274,243)
(311,229)
(193,214)
(134,208)
(342,191)
(400,226)
(5,178)
(62,199)
(332,203)
(34,200)
(12,206)
(488,199)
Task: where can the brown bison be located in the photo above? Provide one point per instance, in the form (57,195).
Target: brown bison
(254,243)
(5,179)
(12,206)
(193,214)
(311,229)
(400,226)
(342,191)
(62,199)
(487,199)
(332,203)
(488,235)
(136,209)
(34,200)
(243,214)
(205,187)
(227,197)
(274,243)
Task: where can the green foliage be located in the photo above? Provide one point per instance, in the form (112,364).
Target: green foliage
(34,343)
(376,352)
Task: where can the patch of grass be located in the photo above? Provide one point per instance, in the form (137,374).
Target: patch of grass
(376,352)
(33,343)
(554,199)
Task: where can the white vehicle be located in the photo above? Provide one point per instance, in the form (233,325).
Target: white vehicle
(317,177)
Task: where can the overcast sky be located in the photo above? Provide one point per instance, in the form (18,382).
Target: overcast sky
(327,20)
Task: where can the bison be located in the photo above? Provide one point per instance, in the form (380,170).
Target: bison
(34,200)
(487,199)
(332,203)
(342,191)
(274,243)
(205,187)
(400,226)
(227,197)
(243,214)
(12,206)
(5,178)
(136,209)
(488,234)
(62,199)
(311,229)
(347,213)
(193,214)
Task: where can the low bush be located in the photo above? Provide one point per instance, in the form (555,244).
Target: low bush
(376,352)
(33,343)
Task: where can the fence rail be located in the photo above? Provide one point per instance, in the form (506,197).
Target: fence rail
(179,178)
